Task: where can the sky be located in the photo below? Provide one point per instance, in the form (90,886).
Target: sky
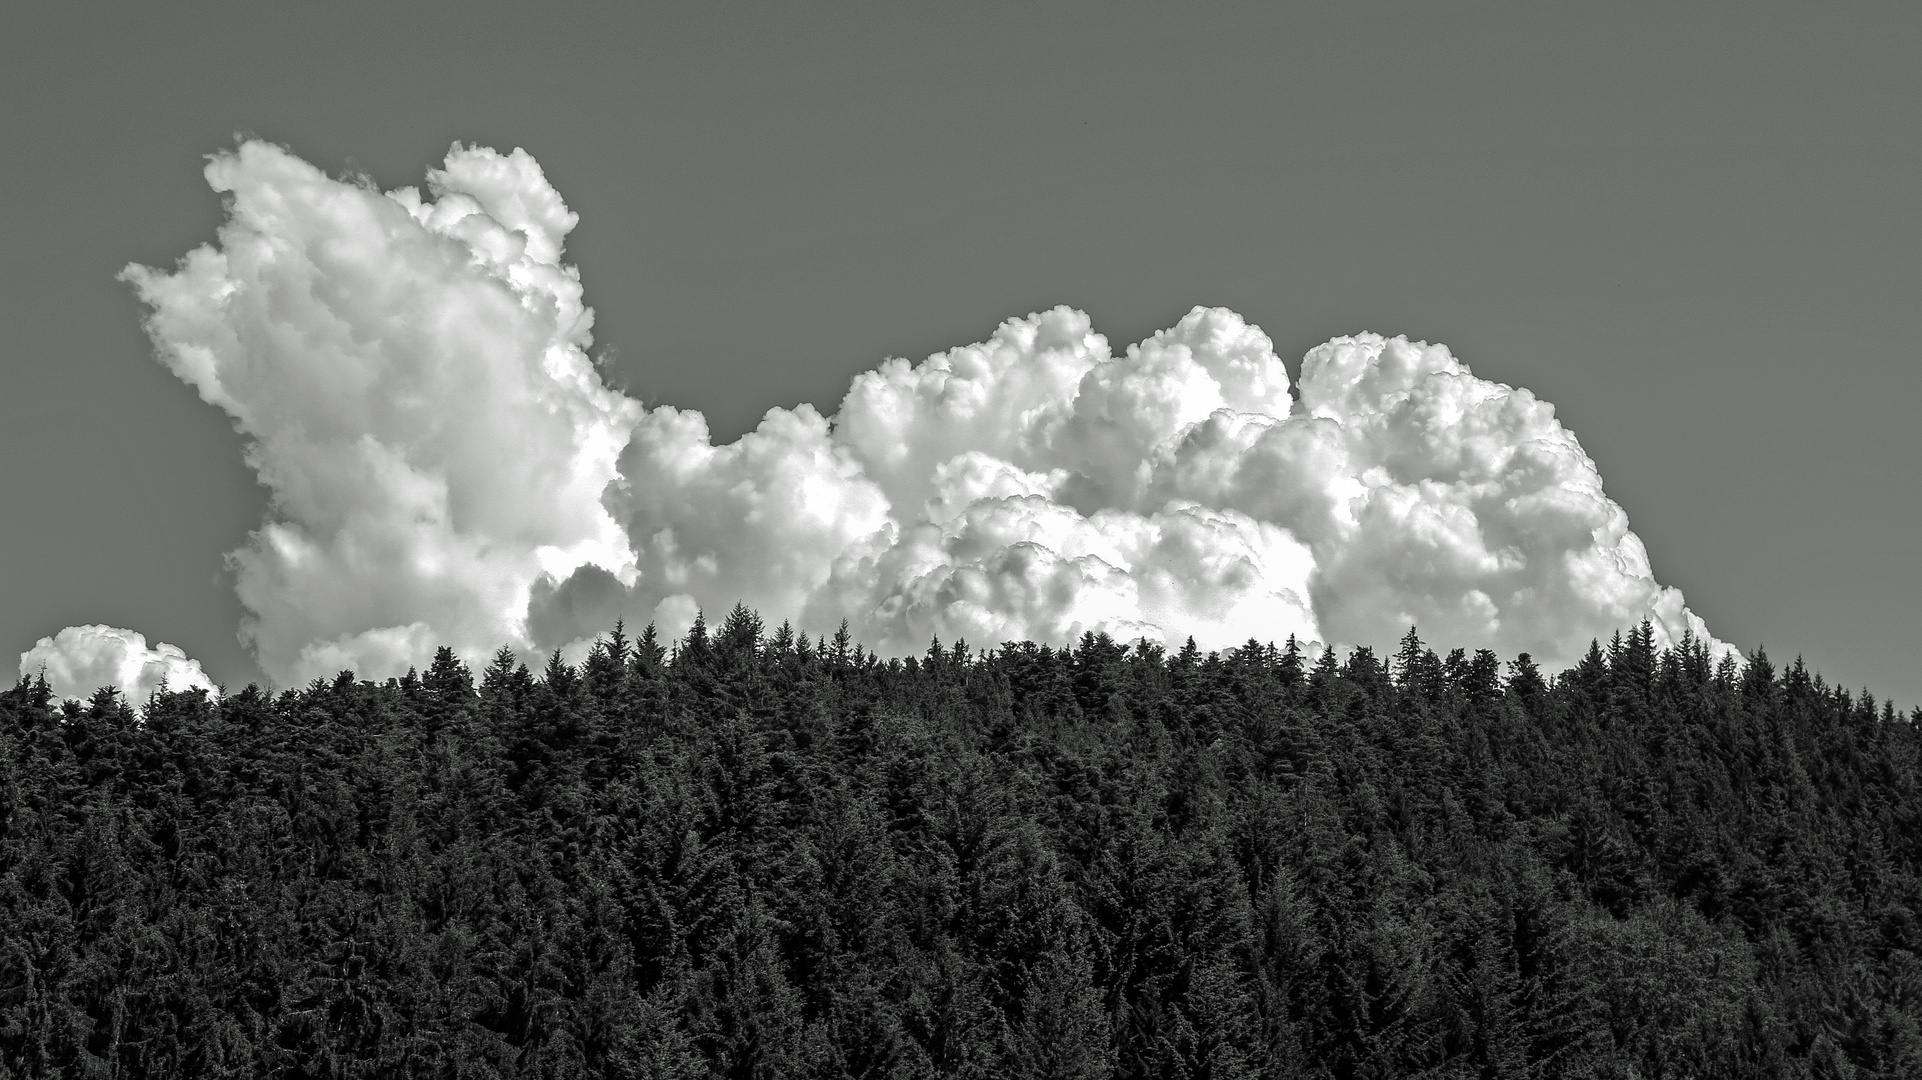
(1690,229)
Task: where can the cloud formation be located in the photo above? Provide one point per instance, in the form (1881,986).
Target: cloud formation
(447,466)
(413,381)
(81,659)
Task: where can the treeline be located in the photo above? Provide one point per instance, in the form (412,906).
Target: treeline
(749,854)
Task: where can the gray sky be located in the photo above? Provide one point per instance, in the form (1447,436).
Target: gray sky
(1694,229)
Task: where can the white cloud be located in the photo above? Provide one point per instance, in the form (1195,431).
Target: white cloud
(1463,506)
(448,467)
(1020,567)
(81,659)
(411,374)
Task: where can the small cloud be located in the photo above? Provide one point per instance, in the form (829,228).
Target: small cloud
(81,659)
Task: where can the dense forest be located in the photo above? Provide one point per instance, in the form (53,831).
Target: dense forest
(748,854)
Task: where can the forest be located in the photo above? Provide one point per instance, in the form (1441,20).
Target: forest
(748,854)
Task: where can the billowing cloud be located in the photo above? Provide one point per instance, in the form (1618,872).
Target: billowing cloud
(447,466)
(413,380)
(81,659)
(761,519)
(1433,498)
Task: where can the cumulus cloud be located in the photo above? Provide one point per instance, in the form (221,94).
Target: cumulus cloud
(81,659)
(412,376)
(447,466)
(761,519)
(1433,498)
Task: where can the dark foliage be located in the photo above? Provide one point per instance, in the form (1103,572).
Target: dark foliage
(752,855)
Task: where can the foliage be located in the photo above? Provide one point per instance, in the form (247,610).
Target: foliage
(751,855)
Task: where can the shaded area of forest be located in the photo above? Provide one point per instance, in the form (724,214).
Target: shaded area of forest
(753,855)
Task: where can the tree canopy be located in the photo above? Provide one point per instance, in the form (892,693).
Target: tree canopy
(748,854)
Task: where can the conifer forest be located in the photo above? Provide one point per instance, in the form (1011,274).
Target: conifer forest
(748,854)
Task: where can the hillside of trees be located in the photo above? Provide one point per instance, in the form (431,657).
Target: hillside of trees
(747,854)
